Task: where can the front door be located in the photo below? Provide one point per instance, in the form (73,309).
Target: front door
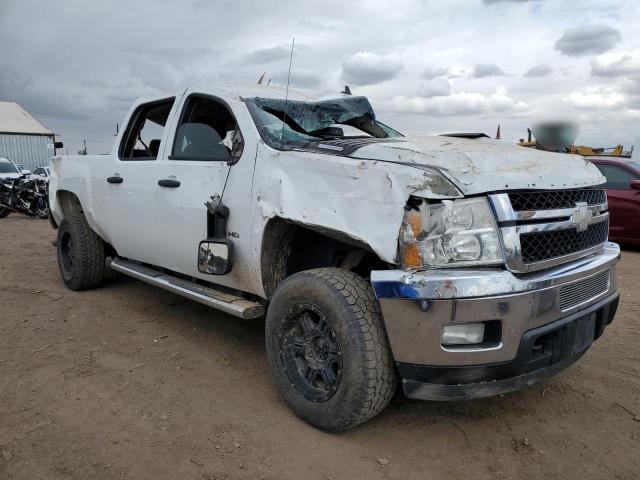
(194,168)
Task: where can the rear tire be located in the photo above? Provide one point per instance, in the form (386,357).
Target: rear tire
(328,350)
(80,254)
(4,212)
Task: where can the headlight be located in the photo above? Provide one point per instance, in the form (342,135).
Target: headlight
(450,233)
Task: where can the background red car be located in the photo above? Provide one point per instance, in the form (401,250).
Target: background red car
(623,194)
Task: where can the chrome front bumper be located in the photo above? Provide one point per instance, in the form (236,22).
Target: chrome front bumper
(416,306)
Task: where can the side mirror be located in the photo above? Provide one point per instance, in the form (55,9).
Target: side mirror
(215,258)
(25,172)
(635,184)
(58,145)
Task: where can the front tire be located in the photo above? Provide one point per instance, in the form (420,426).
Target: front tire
(4,212)
(328,350)
(80,254)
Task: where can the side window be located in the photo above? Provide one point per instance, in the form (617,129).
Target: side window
(617,177)
(141,140)
(207,131)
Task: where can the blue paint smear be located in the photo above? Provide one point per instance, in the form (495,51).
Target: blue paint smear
(394,290)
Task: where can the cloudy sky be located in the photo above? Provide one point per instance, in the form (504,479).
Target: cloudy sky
(427,66)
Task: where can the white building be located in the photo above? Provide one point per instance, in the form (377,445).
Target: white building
(24,139)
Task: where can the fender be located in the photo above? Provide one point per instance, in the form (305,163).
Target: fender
(363,199)
(70,192)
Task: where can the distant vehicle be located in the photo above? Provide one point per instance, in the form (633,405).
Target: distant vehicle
(29,194)
(8,169)
(623,192)
(41,173)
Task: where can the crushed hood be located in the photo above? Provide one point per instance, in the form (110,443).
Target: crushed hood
(483,165)
(10,175)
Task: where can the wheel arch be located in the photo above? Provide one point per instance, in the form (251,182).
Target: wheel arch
(69,204)
(289,247)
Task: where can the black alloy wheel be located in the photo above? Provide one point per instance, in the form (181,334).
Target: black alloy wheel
(310,353)
(67,254)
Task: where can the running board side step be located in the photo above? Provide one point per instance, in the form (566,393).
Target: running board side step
(225,302)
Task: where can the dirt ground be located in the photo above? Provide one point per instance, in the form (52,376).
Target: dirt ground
(131,382)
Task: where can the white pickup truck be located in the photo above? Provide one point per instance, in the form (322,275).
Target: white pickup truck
(459,265)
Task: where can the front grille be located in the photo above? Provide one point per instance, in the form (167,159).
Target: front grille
(555,199)
(585,290)
(546,245)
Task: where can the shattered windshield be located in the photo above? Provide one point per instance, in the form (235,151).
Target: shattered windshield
(289,124)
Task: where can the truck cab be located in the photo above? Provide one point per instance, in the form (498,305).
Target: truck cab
(461,266)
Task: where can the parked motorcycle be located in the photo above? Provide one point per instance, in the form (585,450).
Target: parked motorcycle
(27,196)
(42,191)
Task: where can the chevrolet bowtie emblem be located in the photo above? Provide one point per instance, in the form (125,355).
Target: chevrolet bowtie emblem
(582,216)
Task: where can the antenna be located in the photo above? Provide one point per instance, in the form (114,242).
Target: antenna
(286,94)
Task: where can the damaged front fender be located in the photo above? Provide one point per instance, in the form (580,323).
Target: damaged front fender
(363,199)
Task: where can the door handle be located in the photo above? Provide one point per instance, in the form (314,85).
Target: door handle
(115,179)
(169,182)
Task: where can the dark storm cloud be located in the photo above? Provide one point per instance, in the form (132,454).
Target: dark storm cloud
(168,50)
(366,68)
(430,73)
(492,2)
(12,81)
(299,78)
(587,40)
(77,66)
(437,87)
(620,65)
(19,87)
(483,70)
(266,55)
(541,70)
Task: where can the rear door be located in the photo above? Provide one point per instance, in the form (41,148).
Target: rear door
(624,202)
(126,186)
